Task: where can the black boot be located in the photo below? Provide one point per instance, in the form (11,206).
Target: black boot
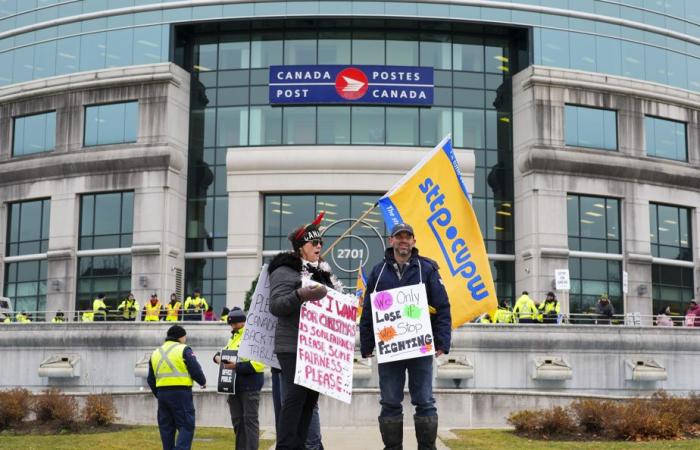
(426,431)
(392,432)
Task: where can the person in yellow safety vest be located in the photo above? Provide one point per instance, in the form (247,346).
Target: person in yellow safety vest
(59,317)
(484,318)
(549,309)
(99,308)
(5,319)
(245,403)
(525,310)
(195,306)
(173,310)
(88,316)
(171,372)
(22,317)
(503,314)
(152,310)
(129,308)
(224,314)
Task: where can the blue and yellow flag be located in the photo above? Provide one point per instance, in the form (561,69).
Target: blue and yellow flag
(360,288)
(433,199)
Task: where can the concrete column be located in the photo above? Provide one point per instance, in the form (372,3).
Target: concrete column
(246,211)
(63,241)
(638,256)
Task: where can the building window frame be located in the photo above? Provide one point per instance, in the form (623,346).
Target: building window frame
(650,125)
(125,229)
(612,224)
(571,121)
(14,244)
(96,113)
(23,122)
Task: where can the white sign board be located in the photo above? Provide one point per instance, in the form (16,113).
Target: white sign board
(326,344)
(401,321)
(624,282)
(258,341)
(561,279)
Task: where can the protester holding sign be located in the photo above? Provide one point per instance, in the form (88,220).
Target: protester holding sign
(244,403)
(404,268)
(287,270)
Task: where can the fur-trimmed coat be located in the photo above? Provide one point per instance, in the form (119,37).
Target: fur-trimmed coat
(286,273)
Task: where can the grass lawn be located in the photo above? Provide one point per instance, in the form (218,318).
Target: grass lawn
(504,439)
(136,438)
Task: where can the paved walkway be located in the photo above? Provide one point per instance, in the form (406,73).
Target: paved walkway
(363,438)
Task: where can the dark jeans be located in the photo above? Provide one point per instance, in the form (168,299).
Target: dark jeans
(527,321)
(176,413)
(392,378)
(244,418)
(313,439)
(297,407)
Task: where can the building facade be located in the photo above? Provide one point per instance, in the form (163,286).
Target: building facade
(139,150)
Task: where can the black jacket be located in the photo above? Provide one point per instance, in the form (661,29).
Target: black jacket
(285,278)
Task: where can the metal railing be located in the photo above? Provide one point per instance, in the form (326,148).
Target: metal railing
(88,315)
(628,319)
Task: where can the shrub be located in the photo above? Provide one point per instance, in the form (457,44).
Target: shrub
(555,421)
(52,406)
(524,421)
(99,410)
(694,400)
(14,406)
(639,420)
(594,415)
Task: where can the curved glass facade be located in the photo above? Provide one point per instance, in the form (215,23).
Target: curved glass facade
(646,39)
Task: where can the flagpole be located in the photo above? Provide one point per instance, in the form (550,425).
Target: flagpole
(346,232)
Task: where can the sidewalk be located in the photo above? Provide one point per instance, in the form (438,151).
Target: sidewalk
(363,438)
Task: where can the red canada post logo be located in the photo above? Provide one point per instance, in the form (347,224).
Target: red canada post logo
(351,83)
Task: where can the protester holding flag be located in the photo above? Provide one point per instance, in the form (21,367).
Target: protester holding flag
(287,270)
(403,266)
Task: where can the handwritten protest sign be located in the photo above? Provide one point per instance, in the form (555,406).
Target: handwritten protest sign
(402,323)
(326,344)
(226,381)
(258,341)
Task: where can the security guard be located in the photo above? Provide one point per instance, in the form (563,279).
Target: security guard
(152,309)
(88,316)
(245,403)
(22,317)
(99,308)
(224,314)
(173,309)
(195,306)
(503,314)
(525,310)
(129,308)
(549,309)
(59,317)
(171,371)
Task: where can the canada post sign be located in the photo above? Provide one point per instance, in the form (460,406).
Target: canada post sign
(386,85)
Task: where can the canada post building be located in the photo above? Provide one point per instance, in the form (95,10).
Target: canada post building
(161,146)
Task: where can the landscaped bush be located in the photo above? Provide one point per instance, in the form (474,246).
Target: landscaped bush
(51,406)
(594,415)
(99,410)
(660,417)
(14,406)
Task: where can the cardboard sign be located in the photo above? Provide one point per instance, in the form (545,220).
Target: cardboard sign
(401,321)
(226,381)
(258,341)
(326,344)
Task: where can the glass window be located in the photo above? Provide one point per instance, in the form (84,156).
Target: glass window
(591,278)
(116,123)
(669,232)
(266,49)
(671,287)
(147,45)
(265,125)
(300,48)
(469,128)
(25,286)
(435,51)
(365,247)
(435,124)
(120,44)
(334,47)
(234,52)
(299,125)
(232,126)
(593,224)
(106,220)
(367,125)
(209,276)
(555,48)
(590,127)
(583,52)
(468,53)
(34,134)
(368,47)
(665,138)
(402,126)
(109,275)
(28,227)
(333,125)
(402,49)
